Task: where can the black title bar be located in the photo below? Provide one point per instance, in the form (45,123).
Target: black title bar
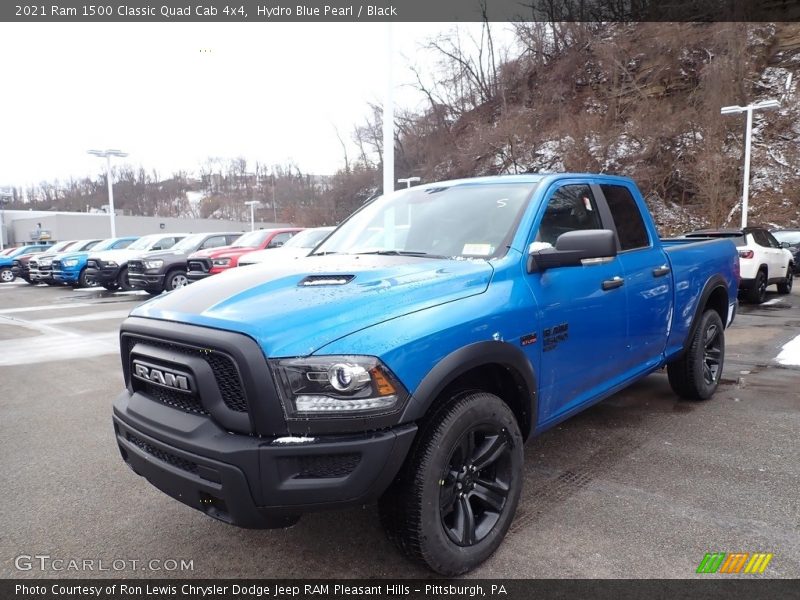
(408,589)
(260,11)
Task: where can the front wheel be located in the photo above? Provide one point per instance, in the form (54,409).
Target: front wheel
(696,375)
(85,281)
(176,280)
(453,500)
(7,275)
(785,287)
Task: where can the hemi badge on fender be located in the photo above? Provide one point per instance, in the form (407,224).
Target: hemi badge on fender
(527,340)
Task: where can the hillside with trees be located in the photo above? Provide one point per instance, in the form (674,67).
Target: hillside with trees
(638,99)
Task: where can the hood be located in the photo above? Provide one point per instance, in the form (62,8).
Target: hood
(164,254)
(118,256)
(67,255)
(287,319)
(274,255)
(210,252)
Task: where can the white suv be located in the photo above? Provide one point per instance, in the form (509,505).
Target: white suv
(763,260)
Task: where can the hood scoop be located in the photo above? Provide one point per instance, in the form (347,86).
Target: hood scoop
(317,280)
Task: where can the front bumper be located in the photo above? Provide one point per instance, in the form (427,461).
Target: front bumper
(66,274)
(103,274)
(20,272)
(251,481)
(146,281)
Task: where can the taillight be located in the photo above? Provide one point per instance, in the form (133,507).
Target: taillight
(746,254)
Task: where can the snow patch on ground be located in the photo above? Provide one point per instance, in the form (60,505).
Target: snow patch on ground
(790,355)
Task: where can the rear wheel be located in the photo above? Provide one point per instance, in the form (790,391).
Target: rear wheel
(758,293)
(454,498)
(176,280)
(7,275)
(785,287)
(696,375)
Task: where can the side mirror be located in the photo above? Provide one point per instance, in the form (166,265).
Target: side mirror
(274,244)
(785,245)
(572,248)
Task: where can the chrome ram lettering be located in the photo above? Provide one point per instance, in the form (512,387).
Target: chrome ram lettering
(161,377)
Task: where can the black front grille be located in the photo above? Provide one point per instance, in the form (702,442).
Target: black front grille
(326,466)
(135,266)
(199,264)
(167,457)
(186,402)
(225,372)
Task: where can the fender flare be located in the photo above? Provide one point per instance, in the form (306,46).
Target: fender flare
(714,283)
(465,359)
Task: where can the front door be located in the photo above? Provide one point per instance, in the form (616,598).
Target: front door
(582,325)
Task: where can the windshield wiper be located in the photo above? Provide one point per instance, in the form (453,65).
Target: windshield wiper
(402,253)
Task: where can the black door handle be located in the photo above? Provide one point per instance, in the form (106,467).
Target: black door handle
(661,271)
(611,284)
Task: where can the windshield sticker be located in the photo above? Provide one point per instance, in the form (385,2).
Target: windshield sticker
(477,249)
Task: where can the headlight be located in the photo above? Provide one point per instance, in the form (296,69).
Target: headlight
(112,263)
(70,262)
(221,262)
(153,264)
(337,386)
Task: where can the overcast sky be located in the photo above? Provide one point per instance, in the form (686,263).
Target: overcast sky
(173,94)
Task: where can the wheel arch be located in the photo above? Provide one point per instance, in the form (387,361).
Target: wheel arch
(495,367)
(715,296)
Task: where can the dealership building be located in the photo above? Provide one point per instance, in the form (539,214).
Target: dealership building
(19,227)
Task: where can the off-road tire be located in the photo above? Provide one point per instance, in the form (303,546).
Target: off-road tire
(758,293)
(696,375)
(785,287)
(413,509)
(123,283)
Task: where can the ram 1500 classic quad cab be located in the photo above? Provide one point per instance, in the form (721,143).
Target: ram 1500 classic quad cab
(411,355)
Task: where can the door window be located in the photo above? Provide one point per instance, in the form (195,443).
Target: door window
(570,208)
(214,242)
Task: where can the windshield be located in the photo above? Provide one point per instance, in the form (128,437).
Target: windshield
(189,242)
(451,221)
(308,238)
(61,246)
(105,244)
(790,237)
(251,239)
(143,243)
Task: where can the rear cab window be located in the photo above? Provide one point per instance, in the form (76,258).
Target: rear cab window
(627,216)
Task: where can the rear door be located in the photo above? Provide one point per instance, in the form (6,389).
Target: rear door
(781,257)
(648,279)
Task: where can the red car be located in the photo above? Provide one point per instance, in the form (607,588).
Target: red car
(215,260)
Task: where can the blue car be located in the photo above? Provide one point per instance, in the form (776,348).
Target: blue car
(7,260)
(70,268)
(411,355)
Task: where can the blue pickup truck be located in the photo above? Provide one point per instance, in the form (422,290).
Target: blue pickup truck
(409,357)
(71,267)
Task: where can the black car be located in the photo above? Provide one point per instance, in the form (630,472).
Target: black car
(791,237)
(166,270)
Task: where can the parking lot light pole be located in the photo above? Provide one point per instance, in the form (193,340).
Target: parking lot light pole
(107,154)
(731,110)
(408,180)
(252,204)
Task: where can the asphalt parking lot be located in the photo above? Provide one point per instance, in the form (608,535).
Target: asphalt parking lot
(641,485)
